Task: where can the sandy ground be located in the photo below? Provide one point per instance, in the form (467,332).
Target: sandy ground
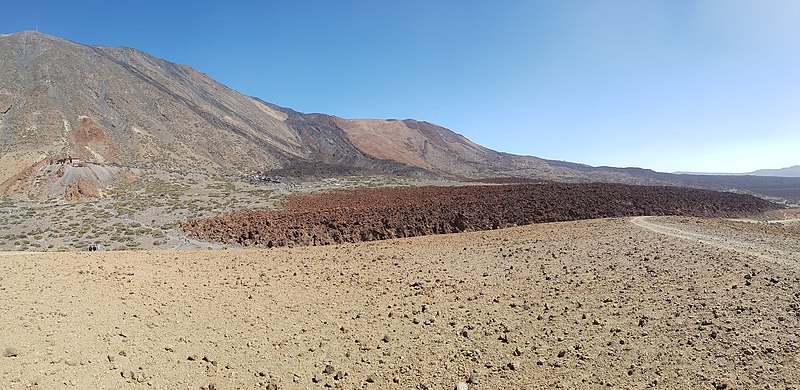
(619,303)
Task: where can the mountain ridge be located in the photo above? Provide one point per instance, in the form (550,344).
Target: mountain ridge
(120,107)
(792,171)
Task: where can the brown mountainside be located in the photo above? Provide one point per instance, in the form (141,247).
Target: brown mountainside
(119,110)
(119,106)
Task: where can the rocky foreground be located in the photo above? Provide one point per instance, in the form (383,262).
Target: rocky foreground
(384,213)
(614,303)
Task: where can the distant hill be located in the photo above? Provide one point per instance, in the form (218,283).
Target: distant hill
(772,186)
(793,171)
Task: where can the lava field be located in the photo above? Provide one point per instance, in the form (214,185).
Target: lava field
(385,213)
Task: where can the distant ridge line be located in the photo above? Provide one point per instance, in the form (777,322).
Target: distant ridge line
(792,171)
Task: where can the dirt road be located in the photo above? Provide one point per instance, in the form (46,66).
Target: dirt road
(589,304)
(756,241)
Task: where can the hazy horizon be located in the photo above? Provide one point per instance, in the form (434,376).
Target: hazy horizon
(710,86)
(737,173)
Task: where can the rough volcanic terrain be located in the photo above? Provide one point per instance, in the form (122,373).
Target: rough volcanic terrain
(384,213)
(591,304)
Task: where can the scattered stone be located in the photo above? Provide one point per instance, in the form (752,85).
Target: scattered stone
(578,201)
(271,386)
(10,352)
(371,378)
(317,378)
(209,360)
(386,338)
(462,386)
(473,379)
(329,369)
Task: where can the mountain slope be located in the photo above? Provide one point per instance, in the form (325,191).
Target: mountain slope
(66,98)
(120,106)
(119,111)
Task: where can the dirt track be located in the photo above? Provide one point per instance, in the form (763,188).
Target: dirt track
(587,304)
(783,247)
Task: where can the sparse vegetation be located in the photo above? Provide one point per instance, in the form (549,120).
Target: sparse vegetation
(146,211)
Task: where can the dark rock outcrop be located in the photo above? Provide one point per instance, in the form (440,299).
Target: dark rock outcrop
(377,214)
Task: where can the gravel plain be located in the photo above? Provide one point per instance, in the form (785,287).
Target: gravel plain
(607,303)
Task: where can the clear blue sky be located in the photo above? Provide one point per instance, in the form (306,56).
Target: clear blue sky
(705,85)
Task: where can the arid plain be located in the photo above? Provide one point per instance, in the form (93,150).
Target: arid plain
(643,302)
(168,173)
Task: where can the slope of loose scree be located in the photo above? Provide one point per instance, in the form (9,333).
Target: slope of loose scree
(377,214)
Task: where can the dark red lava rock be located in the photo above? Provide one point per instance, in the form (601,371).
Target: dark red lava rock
(384,213)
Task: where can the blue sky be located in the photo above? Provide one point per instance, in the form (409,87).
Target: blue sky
(705,85)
